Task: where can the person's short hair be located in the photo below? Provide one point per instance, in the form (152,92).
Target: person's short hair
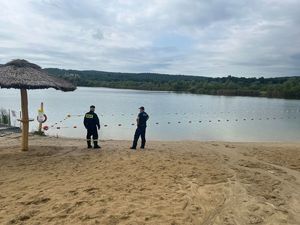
(142,108)
(92,106)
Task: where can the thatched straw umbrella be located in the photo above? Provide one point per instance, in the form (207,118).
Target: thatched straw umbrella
(24,75)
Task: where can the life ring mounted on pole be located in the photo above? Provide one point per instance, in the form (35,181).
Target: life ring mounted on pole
(42,118)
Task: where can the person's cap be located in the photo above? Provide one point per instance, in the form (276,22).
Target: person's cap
(142,107)
(92,106)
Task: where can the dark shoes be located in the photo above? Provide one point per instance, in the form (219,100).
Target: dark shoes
(96,144)
(135,148)
(89,145)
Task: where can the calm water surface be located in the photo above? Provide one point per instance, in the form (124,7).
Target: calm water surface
(173,116)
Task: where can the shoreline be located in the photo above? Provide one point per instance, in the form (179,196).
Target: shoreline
(184,140)
(18,134)
(59,181)
(6,130)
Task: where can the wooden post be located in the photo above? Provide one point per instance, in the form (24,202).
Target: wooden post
(20,120)
(9,119)
(40,124)
(24,119)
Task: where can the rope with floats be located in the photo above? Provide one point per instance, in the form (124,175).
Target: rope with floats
(58,126)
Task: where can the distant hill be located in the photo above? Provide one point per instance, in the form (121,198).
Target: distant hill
(280,87)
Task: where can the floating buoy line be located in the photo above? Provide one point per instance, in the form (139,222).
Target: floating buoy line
(188,113)
(59,125)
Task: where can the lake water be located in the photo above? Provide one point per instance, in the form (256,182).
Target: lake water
(173,116)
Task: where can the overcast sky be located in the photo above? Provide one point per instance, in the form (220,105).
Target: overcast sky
(196,37)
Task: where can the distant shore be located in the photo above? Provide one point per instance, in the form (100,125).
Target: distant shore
(274,87)
(59,181)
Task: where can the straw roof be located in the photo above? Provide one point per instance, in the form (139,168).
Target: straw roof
(23,74)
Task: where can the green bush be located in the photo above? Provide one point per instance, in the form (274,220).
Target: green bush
(4,117)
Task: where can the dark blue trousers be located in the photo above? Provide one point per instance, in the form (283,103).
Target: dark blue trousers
(140,131)
(92,132)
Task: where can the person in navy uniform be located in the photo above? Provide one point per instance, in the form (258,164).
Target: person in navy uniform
(141,128)
(92,124)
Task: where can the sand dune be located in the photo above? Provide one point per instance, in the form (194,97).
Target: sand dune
(61,182)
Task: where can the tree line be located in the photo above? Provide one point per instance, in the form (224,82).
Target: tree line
(280,87)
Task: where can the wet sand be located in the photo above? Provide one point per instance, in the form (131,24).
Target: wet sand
(59,181)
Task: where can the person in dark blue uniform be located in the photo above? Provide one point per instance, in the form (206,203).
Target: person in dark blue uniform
(141,128)
(92,124)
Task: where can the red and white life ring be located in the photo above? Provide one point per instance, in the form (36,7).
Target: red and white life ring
(42,118)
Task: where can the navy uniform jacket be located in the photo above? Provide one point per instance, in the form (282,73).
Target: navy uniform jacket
(143,117)
(91,121)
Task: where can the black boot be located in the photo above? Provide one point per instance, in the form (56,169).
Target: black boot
(89,144)
(143,142)
(96,144)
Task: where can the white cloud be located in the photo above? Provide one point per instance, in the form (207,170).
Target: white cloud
(198,37)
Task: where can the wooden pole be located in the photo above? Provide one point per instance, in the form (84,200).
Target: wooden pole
(24,119)
(20,120)
(40,124)
(9,119)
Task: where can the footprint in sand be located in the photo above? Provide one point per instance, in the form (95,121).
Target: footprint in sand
(36,201)
(92,190)
(23,217)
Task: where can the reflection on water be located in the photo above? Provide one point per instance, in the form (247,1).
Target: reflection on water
(173,116)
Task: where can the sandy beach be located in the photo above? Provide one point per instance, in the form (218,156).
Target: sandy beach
(59,181)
